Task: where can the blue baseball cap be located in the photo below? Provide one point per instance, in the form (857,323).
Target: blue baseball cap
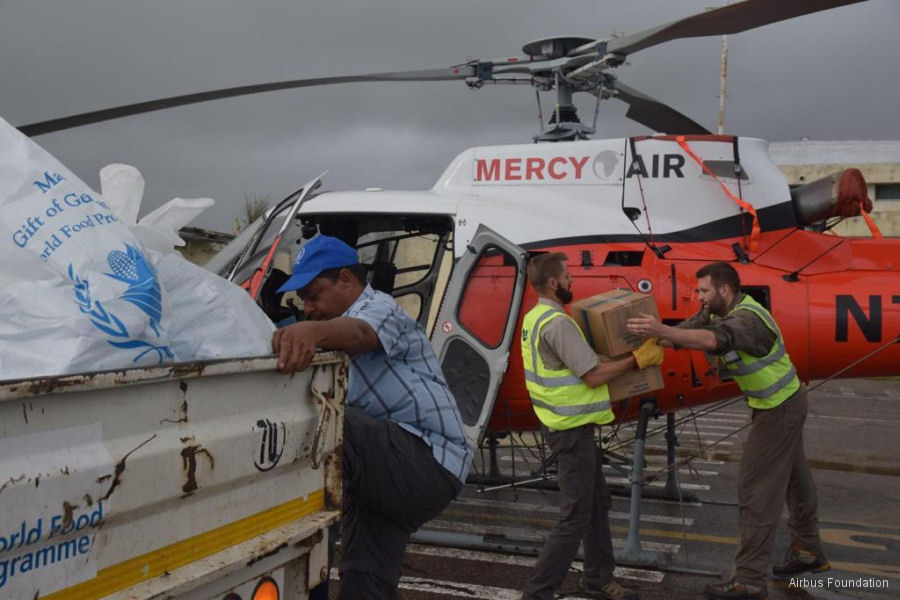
(318,254)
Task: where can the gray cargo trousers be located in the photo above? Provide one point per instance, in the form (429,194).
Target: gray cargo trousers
(774,469)
(583,516)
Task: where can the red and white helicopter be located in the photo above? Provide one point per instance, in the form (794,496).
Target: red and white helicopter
(642,213)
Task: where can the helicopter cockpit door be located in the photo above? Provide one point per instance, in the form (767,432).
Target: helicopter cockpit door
(476,325)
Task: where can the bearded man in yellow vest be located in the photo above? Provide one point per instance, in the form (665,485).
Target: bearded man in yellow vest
(567,386)
(746,344)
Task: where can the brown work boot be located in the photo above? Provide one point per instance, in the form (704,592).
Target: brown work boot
(611,591)
(735,590)
(800,561)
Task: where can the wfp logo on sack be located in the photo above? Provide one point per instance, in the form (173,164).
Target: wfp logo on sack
(143,291)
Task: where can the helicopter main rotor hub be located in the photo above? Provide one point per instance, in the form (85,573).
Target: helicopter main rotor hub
(554,47)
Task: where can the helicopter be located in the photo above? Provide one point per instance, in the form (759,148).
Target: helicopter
(641,213)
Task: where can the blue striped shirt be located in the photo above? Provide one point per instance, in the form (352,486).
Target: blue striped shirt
(402,381)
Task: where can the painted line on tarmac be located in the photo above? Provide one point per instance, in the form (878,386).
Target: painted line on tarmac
(658,466)
(627,500)
(523,506)
(705,427)
(700,472)
(461,590)
(533,535)
(661,458)
(533,461)
(690,437)
(524,491)
(688,441)
(886,571)
(453,588)
(662,519)
(647,546)
(743,416)
(650,576)
(846,538)
(734,421)
(876,526)
(857,419)
(686,449)
(695,537)
(684,486)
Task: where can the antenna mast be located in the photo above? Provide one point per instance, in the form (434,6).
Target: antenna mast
(723,73)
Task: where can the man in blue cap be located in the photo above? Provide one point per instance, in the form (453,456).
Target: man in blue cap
(405,452)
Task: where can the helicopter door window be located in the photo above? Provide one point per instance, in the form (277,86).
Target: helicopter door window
(489,290)
(760,293)
(406,264)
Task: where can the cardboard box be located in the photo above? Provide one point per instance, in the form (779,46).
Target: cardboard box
(603,317)
(635,383)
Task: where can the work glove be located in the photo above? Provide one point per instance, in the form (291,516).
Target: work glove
(649,353)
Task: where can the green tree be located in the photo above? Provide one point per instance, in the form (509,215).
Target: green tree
(254,207)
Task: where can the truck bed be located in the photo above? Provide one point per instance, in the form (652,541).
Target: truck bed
(156,482)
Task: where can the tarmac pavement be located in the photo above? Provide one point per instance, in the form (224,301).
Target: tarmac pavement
(850,441)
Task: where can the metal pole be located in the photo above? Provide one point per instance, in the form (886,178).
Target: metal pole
(632,554)
(723,73)
(671,442)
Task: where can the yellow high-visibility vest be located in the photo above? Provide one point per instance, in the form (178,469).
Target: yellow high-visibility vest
(561,400)
(768,380)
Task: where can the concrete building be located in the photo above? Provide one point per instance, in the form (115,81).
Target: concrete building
(201,244)
(807,160)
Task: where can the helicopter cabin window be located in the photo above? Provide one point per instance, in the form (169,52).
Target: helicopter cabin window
(489,290)
(399,264)
(407,256)
(760,293)
(622,258)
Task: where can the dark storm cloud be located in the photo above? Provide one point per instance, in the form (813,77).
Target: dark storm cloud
(826,76)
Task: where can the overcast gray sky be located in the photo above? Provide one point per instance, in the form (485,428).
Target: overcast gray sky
(830,75)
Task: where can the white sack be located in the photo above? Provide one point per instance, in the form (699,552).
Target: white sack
(159,228)
(76,291)
(122,187)
(209,317)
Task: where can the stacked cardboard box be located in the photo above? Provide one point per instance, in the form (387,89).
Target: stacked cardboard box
(603,318)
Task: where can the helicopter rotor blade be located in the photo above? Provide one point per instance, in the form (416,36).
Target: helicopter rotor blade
(581,63)
(97,116)
(654,114)
(732,18)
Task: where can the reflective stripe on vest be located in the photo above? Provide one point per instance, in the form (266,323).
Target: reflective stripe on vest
(561,399)
(769,380)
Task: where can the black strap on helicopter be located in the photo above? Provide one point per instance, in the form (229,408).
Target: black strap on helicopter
(738,171)
(637,168)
